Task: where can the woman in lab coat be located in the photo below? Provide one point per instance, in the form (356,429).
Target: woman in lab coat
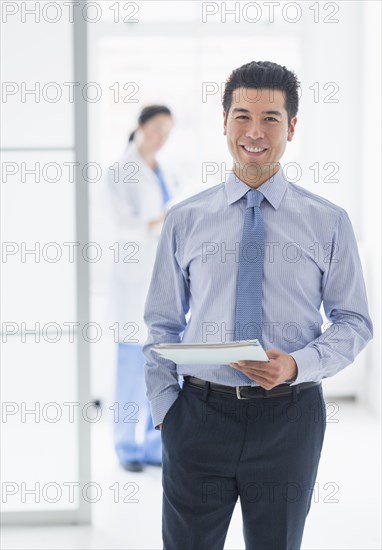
(141,191)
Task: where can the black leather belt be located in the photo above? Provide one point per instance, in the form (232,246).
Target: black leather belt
(249,392)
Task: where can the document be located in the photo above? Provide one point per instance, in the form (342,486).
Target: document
(212,354)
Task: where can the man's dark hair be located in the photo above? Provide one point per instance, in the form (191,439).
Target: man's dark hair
(264,74)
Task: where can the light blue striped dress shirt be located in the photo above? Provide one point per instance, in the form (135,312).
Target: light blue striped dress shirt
(310,258)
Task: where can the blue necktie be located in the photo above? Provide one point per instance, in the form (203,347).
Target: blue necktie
(248,316)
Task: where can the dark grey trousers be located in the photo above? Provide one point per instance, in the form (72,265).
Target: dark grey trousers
(217,448)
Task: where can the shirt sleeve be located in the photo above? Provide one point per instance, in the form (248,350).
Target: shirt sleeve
(345,304)
(166,307)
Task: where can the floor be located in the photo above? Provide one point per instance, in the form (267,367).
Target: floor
(345,512)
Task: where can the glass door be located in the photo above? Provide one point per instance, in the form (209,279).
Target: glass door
(45,335)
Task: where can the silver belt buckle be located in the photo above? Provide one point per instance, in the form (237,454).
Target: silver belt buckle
(238,393)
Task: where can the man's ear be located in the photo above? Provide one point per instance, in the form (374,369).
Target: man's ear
(224,123)
(291,129)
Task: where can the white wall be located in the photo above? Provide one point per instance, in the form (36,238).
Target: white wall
(369,187)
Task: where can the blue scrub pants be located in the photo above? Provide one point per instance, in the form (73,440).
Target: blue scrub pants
(134,435)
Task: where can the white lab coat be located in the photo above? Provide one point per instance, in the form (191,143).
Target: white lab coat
(136,200)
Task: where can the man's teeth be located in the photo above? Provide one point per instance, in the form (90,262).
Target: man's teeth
(254,149)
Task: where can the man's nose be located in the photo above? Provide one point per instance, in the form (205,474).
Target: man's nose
(255,130)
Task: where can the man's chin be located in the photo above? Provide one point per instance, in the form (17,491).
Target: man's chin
(253,171)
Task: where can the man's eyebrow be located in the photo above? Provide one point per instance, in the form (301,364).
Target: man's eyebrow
(242,110)
(277,113)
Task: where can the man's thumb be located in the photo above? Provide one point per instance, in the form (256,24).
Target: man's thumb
(272,353)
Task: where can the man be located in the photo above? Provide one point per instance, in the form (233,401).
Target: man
(252,257)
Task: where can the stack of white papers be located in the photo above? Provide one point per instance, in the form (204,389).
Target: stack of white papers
(212,354)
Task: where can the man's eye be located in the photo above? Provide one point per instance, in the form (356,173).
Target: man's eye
(242,116)
(271,118)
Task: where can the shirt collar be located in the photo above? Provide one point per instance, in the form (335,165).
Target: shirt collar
(273,189)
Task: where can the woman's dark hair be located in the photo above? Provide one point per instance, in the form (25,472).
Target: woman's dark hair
(264,74)
(150,112)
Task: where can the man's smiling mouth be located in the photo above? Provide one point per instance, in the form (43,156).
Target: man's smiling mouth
(254,150)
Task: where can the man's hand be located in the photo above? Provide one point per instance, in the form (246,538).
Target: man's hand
(281,367)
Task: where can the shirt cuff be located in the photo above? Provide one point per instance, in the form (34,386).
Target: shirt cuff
(308,365)
(160,405)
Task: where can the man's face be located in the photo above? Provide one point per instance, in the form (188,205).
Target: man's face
(257,119)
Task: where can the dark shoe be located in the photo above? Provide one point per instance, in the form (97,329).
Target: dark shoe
(134,466)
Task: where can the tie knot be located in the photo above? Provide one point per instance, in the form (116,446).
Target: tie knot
(254,198)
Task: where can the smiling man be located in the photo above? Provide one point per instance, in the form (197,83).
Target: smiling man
(252,257)
(257,127)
